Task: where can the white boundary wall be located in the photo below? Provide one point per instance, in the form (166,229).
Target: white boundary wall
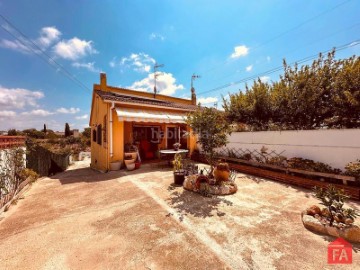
(335,147)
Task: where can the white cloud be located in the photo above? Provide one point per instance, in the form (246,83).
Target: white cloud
(239,51)
(140,62)
(74,48)
(156,36)
(16,45)
(7,113)
(249,68)
(207,100)
(89,66)
(15,98)
(112,63)
(265,78)
(68,111)
(268,58)
(165,84)
(38,112)
(48,35)
(85,116)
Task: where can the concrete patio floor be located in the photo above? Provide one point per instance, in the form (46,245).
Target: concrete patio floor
(82,219)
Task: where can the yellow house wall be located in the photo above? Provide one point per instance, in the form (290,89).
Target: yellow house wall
(118,139)
(99,153)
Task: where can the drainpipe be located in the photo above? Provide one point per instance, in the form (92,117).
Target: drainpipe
(111,129)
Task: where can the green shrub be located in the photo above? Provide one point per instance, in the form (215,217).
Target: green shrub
(310,165)
(26,173)
(353,169)
(333,199)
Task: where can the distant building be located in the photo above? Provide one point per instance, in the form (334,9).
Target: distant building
(3,132)
(76,133)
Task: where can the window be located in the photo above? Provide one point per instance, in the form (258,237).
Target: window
(99,139)
(94,135)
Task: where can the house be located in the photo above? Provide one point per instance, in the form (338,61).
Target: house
(76,133)
(122,117)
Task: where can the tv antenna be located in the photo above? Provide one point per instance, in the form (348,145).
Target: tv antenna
(193,78)
(156,74)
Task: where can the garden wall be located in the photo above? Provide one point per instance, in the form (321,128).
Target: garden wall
(45,162)
(336,147)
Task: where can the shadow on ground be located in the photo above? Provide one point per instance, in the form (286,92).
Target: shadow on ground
(190,203)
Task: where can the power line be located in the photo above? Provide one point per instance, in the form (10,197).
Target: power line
(288,31)
(324,37)
(303,60)
(39,52)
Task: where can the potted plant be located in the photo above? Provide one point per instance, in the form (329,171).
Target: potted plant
(129,162)
(131,149)
(221,172)
(176,146)
(179,172)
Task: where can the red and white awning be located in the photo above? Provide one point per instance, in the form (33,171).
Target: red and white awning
(138,115)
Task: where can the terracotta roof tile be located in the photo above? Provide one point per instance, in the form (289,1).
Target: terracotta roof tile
(143,100)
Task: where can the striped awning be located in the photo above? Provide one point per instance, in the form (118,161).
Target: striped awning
(138,115)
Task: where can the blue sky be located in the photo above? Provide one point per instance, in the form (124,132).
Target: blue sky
(222,41)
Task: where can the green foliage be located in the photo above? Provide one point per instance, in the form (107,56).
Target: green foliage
(323,94)
(67,130)
(212,129)
(310,165)
(178,162)
(353,169)
(33,133)
(12,132)
(333,199)
(87,133)
(26,173)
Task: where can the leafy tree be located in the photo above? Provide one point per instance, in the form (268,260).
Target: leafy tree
(87,133)
(211,128)
(67,130)
(12,132)
(323,94)
(33,133)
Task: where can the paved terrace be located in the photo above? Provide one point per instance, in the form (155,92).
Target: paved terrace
(82,219)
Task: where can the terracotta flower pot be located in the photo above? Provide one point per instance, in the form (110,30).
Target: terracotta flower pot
(221,175)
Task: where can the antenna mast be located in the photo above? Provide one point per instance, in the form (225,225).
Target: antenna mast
(193,78)
(156,74)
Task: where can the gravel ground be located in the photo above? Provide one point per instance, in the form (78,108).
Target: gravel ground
(82,219)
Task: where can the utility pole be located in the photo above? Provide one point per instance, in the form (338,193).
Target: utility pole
(156,74)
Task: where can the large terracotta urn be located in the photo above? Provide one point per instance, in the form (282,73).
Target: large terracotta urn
(221,172)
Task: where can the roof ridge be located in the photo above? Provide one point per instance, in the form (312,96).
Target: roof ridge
(143,100)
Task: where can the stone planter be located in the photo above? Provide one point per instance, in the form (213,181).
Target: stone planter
(191,183)
(133,155)
(115,165)
(130,166)
(129,161)
(349,233)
